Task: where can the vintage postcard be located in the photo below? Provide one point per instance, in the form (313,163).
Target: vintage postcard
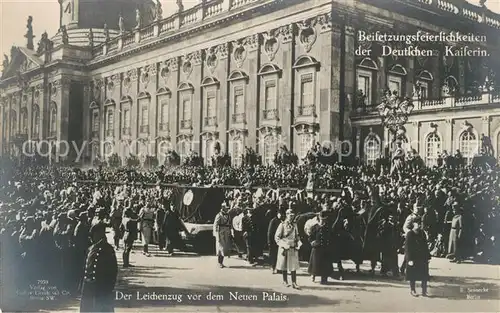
(249,156)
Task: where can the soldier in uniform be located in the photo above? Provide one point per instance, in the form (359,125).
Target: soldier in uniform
(222,234)
(82,243)
(320,263)
(130,234)
(101,270)
(160,216)
(116,220)
(273,247)
(249,234)
(147,216)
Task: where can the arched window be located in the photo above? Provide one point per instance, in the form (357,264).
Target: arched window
(36,120)
(372,149)
(53,120)
(270,148)
(24,121)
(306,142)
(209,151)
(108,149)
(184,149)
(468,145)
(236,151)
(110,121)
(432,149)
(13,121)
(162,151)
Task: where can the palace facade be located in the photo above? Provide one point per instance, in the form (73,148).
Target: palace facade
(257,73)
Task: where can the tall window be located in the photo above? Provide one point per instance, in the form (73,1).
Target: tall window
(270,148)
(184,149)
(126,118)
(36,120)
(395,84)
(95,121)
(236,151)
(372,150)
(211,104)
(305,144)
(53,121)
(306,91)
(365,85)
(468,145)
(13,122)
(424,90)
(186,108)
(24,121)
(270,96)
(239,100)
(209,151)
(164,113)
(144,115)
(110,122)
(433,149)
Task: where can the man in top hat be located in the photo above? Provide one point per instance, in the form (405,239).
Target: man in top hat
(320,262)
(101,270)
(222,234)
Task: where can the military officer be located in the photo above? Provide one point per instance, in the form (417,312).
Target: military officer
(320,263)
(249,234)
(222,234)
(101,270)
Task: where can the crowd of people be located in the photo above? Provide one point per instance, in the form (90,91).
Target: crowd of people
(52,216)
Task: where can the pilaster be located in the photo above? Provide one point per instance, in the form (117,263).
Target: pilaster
(449,134)
(349,80)
(252,107)
(287,34)
(486,121)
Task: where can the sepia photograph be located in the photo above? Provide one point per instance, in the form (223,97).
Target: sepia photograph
(249,156)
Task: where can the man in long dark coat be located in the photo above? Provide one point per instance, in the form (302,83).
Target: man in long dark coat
(101,270)
(273,246)
(173,227)
(161,234)
(249,234)
(130,231)
(320,263)
(417,257)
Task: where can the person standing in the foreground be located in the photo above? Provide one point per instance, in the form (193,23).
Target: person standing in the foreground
(222,234)
(287,238)
(417,257)
(320,262)
(101,270)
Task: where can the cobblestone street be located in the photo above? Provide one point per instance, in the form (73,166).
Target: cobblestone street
(463,287)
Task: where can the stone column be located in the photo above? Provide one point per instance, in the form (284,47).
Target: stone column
(410,77)
(86,116)
(416,137)
(381,81)
(449,134)
(329,100)
(252,105)
(286,85)
(486,120)
(349,81)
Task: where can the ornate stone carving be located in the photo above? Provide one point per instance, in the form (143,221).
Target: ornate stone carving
(172,64)
(251,42)
(146,75)
(286,33)
(196,57)
(97,88)
(271,44)
(211,59)
(187,66)
(54,88)
(222,50)
(307,34)
(325,23)
(111,82)
(239,53)
(485,119)
(29,33)
(349,30)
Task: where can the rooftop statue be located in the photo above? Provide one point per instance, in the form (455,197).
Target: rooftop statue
(137,18)
(121,24)
(158,11)
(106,32)
(64,35)
(29,33)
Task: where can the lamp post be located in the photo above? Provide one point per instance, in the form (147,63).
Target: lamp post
(394,111)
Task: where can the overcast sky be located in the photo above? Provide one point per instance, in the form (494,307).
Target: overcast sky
(14,13)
